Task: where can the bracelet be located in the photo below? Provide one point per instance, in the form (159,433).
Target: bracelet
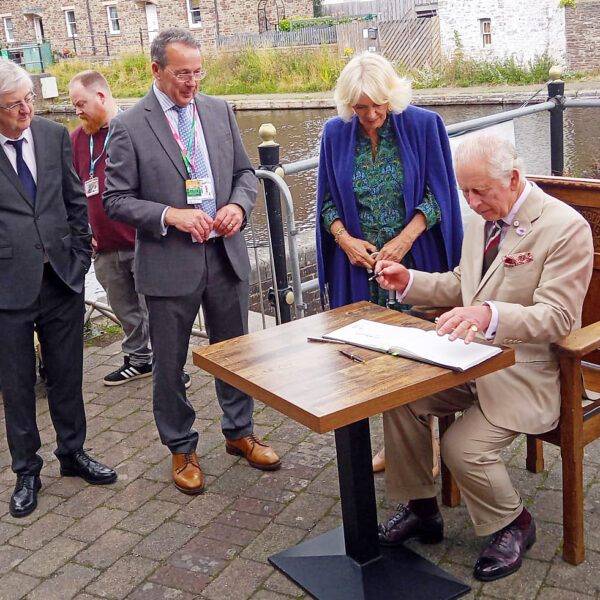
(337,234)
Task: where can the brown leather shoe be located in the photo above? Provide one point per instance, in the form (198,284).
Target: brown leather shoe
(255,451)
(187,474)
(379,461)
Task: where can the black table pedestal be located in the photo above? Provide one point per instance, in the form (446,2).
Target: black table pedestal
(347,563)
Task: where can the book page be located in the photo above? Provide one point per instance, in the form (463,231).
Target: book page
(412,342)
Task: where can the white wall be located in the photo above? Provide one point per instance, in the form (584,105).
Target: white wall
(521,28)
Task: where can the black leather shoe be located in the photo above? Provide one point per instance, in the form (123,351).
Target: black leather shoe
(24,499)
(503,554)
(405,525)
(79,464)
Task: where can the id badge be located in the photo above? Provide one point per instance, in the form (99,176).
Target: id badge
(91,186)
(198,190)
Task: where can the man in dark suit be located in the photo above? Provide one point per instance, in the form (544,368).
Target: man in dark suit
(44,255)
(177,171)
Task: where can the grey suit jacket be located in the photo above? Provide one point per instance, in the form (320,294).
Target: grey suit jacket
(538,301)
(145,173)
(57,224)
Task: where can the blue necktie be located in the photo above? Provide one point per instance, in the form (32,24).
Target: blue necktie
(184,127)
(23,171)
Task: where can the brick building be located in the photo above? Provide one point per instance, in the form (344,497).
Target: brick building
(101,27)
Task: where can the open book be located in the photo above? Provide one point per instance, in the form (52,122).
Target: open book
(410,342)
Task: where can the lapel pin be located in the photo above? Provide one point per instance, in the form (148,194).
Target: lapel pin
(516,223)
(521,231)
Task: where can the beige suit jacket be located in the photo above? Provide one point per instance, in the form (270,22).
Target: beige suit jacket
(539,302)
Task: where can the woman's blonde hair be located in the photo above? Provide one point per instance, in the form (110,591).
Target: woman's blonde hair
(371,74)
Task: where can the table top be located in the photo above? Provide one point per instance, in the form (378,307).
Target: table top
(314,384)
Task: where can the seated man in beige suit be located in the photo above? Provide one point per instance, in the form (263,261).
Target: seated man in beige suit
(523,274)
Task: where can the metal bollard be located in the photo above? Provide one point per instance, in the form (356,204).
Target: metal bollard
(268,152)
(556,93)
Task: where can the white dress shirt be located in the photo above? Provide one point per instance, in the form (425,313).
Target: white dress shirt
(28,151)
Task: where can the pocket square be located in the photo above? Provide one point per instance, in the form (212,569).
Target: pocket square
(512,260)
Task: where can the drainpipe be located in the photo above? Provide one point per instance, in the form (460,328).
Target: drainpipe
(89,16)
(216,24)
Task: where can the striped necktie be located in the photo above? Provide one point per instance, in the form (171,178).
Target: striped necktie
(23,172)
(491,246)
(184,128)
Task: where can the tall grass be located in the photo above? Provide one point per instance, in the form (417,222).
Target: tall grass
(247,71)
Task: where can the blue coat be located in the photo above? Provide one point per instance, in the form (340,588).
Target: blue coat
(426,158)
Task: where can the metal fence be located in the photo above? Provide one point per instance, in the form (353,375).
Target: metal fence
(100,45)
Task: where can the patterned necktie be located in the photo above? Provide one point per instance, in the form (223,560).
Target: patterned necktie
(491,246)
(23,171)
(184,127)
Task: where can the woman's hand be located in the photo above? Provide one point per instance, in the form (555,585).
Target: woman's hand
(396,249)
(357,250)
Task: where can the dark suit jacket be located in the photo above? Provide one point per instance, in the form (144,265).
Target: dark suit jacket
(145,173)
(57,224)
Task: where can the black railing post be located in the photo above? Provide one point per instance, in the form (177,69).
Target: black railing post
(74,44)
(106,44)
(141,38)
(556,93)
(268,152)
(39,49)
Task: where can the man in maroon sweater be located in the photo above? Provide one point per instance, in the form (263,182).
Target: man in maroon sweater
(113,242)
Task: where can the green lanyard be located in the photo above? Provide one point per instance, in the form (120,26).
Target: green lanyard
(191,147)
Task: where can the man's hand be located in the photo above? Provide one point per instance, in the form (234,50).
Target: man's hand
(467,320)
(191,220)
(357,250)
(394,276)
(228,220)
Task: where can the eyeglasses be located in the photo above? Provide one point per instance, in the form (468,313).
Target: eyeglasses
(15,106)
(196,75)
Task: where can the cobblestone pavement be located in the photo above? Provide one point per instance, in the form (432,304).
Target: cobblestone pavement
(141,539)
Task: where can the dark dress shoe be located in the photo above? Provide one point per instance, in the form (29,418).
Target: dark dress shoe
(24,499)
(503,554)
(80,464)
(405,525)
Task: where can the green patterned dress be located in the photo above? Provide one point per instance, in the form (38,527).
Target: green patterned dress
(378,190)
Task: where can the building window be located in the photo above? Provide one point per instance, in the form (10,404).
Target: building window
(71,23)
(8,29)
(193,10)
(486,32)
(113,19)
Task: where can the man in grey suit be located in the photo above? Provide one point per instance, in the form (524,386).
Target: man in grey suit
(44,255)
(177,171)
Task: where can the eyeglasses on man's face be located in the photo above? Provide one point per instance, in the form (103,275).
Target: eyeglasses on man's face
(15,106)
(195,76)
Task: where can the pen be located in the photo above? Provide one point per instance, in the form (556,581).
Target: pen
(322,339)
(375,276)
(352,356)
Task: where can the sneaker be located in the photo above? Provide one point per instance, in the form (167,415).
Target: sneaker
(128,373)
(187,380)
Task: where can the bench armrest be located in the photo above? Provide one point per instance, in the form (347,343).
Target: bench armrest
(580,342)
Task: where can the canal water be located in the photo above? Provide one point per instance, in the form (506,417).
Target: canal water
(298,133)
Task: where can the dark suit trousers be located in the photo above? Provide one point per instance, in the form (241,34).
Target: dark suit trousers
(224,301)
(57,316)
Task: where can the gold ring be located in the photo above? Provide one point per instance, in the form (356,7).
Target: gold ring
(474,328)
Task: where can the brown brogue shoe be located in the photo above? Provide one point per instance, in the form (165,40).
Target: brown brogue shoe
(187,474)
(379,461)
(255,451)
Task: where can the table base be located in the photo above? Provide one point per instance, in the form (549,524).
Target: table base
(321,567)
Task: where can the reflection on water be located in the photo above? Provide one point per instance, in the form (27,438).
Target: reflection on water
(298,133)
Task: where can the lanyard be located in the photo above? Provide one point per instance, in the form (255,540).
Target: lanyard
(190,151)
(93,160)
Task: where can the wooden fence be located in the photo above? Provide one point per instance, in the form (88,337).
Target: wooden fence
(351,36)
(411,43)
(305,36)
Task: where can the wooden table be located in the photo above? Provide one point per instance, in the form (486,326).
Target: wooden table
(317,386)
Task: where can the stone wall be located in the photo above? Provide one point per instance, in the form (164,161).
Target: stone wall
(519,29)
(583,36)
(234,16)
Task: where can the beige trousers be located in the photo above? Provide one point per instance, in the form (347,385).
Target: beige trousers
(470,448)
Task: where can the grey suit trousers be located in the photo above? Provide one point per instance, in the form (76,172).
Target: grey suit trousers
(224,301)
(471,448)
